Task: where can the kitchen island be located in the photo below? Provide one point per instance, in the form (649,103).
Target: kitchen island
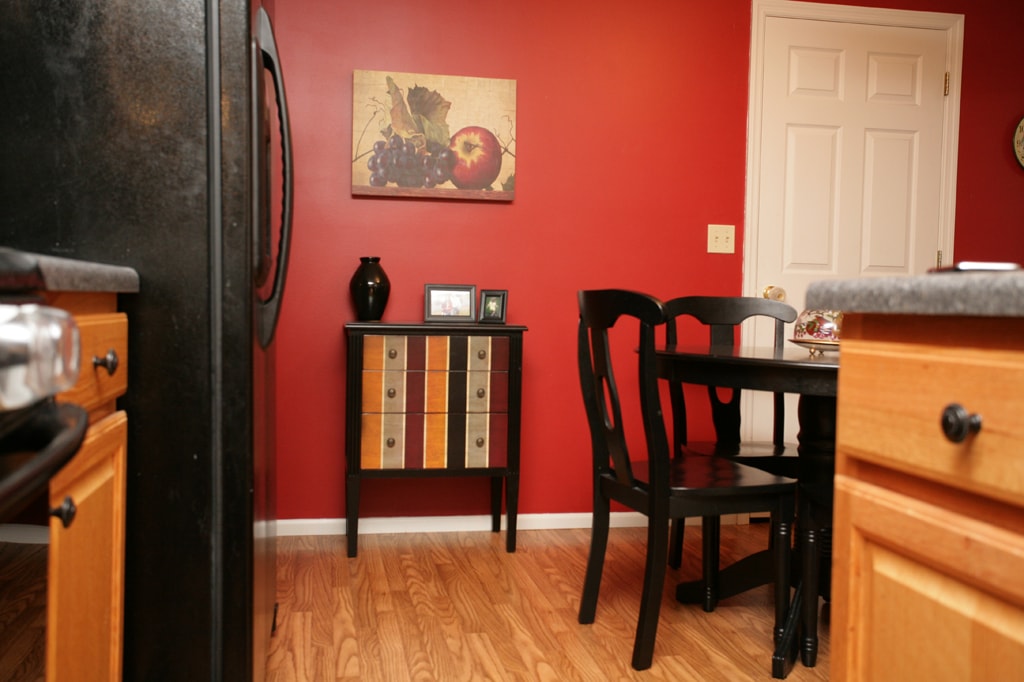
(929,489)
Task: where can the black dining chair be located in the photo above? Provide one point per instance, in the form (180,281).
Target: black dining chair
(722,317)
(652,481)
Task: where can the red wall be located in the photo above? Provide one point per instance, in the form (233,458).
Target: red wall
(630,139)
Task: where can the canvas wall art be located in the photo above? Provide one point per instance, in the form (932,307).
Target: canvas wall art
(421,135)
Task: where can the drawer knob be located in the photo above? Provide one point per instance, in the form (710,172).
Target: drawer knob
(480,393)
(392,353)
(480,442)
(482,354)
(391,442)
(65,512)
(108,361)
(391,393)
(958,423)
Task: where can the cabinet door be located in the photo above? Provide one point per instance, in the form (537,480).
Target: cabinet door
(925,593)
(86,564)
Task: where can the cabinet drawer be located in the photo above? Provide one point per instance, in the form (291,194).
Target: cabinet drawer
(892,396)
(419,440)
(481,387)
(100,334)
(454,392)
(436,353)
(488,353)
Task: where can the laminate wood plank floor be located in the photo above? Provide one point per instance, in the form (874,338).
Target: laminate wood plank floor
(456,606)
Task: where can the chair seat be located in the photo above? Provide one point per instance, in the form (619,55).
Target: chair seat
(764,455)
(715,476)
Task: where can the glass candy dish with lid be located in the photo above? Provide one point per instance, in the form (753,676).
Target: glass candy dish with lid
(818,330)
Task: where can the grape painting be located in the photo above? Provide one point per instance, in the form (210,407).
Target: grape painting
(419,135)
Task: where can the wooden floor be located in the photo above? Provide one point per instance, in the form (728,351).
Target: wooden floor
(456,606)
(22,611)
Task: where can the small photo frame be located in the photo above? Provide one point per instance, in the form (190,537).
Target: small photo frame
(492,305)
(449,303)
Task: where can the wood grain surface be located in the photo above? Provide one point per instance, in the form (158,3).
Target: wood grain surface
(456,606)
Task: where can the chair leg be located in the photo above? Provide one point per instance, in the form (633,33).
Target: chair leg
(675,543)
(810,550)
(782,548)
(711,530)
(654,583)
(595,562)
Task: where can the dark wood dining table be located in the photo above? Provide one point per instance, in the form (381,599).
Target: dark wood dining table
(814,377)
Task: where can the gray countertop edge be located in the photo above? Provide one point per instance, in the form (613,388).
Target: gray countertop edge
(975,294)
(68,274)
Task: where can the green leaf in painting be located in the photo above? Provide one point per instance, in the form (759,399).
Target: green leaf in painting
(431,110)
(402,121)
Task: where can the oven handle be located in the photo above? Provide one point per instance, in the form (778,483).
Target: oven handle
(49,436)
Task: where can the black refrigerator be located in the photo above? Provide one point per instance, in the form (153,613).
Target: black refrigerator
(154,134)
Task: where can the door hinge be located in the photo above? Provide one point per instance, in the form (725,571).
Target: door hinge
(945,85)
(938,259)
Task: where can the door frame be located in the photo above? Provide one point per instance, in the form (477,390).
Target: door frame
(952,24)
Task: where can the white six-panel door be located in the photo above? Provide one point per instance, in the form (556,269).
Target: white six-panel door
(851,159)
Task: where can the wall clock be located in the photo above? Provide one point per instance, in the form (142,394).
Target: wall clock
(1018,142)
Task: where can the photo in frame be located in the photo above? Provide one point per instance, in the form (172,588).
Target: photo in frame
(493,304)
(449,303)
(431,136)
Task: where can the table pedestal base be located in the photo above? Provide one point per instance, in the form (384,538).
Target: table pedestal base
(745,574)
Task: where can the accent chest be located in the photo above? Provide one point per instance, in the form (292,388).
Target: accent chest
(433,400)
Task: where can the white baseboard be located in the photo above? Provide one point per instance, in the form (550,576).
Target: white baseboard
(449,524)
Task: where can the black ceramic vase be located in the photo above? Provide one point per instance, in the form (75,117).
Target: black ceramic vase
(370,287)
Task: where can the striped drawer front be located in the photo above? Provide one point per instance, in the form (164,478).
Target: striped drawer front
(434,441)
(434,402)
(441,353)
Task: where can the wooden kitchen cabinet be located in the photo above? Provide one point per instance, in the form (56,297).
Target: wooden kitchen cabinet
(85,584)
(432,399)
(929,533)
(86,564)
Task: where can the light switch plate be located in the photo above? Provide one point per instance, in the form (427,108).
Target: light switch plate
(721,238)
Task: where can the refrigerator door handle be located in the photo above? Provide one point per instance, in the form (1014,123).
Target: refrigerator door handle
(269,309)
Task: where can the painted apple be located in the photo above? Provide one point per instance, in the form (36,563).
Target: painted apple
(477,158)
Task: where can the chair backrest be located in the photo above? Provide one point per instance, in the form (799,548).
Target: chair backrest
(600,310)
(723,316)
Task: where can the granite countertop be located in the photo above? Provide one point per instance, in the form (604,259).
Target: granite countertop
(23,271)
(978,294)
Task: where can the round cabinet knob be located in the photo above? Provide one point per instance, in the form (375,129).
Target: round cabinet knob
(958,423)
(482,354)
(390,442)
(391,393)
(108,362)
(65,512)
(480,442)
(392,353)
(480,393)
